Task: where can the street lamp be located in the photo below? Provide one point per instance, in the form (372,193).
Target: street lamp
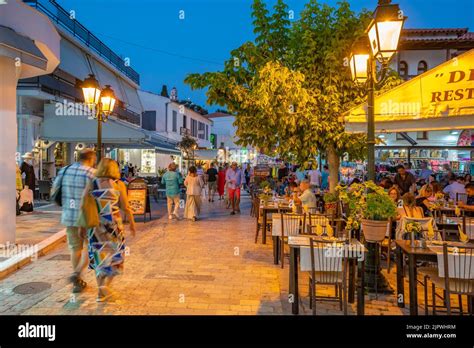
(101,103)
(383,34)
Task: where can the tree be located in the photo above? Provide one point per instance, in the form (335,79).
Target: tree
(164,91)
(307,58)
(188,145)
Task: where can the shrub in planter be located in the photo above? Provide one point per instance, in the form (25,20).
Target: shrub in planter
(370,207)
(330,202)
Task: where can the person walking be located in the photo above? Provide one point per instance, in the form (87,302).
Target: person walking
(221,183)
(172,180)
(71,182)
(212,181)
(107,241)
(194,185)
(234,179)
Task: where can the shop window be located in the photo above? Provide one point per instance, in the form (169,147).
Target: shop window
(175,121)
(422,67)
(403,69)
(422,135)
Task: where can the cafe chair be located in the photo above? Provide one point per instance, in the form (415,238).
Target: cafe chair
(259,218)
(291,225)
(328,266)
(386,245)
(467,227)
(454,274)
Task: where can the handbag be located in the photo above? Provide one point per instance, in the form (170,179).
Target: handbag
(88,214)
(57,194)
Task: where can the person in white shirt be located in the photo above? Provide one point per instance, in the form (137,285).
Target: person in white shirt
(315,177)
(456,185)
(307,197)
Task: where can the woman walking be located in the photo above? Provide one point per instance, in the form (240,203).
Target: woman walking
(194,185)
(106,241)
(221,182)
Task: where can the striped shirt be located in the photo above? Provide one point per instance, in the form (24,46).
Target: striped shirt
(74,180)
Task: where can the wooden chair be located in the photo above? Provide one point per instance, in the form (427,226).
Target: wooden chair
(259,218)
(454,275)
(468,226)
(291,225)
(386,246)
(328,267)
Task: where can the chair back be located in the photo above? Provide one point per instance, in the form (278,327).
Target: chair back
(426,224)
(315,220)
(327,259)
(291,224)
(456,266)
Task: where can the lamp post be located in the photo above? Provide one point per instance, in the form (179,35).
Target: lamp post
(383,34)
(101,103)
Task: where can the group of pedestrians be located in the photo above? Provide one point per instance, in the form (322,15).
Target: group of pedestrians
(227,178)
(101,247)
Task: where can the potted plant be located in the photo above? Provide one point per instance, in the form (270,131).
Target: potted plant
(370,208)
(330,202)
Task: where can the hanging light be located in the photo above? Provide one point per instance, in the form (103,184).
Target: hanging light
(107,100)
(384,30)
(91,91)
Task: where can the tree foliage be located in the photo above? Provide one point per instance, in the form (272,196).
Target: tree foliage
(289,87)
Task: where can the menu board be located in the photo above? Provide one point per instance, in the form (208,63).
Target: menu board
(261,171)
(137,196)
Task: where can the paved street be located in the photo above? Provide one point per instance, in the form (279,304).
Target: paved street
(211,266)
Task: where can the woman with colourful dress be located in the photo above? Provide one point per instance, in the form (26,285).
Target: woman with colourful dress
(107,241)
(221,182)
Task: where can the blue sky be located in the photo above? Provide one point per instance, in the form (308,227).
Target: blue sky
(164,48)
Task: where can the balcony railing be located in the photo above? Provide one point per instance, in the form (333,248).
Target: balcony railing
(63,19)
(56,86)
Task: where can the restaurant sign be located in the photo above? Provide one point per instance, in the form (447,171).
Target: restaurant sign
(444,91)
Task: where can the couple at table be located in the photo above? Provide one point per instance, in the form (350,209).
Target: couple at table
(302,195)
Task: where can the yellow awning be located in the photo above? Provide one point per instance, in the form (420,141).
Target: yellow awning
(441,93)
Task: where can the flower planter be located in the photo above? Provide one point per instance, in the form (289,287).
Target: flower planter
(330,208)
(374,231)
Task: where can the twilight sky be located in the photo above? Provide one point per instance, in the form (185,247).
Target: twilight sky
(164,48)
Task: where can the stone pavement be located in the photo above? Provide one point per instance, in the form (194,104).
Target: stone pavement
(211,266)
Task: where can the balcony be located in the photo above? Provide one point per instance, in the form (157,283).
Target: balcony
(61,18)
(59,87)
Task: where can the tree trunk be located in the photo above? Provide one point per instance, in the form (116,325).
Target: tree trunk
(333,163)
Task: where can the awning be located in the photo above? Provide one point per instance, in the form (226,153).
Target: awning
(440,99)
(63,125)
(20,47)
(73,60)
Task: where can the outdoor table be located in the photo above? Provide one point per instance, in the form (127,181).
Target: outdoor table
(296,242)
(414,255)
(270,208)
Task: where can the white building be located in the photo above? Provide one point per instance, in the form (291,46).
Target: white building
(224,139)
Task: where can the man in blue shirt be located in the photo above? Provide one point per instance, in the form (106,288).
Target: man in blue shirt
(233,179)
(172,180)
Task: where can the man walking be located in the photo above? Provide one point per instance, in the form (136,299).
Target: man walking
(234,178)
(172,180)
(212,181)
(72,181)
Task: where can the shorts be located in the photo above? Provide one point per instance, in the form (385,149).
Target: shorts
(76,237)
(212,185)
(234,193)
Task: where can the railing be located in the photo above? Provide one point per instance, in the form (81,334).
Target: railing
(62,18)
(54,85)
